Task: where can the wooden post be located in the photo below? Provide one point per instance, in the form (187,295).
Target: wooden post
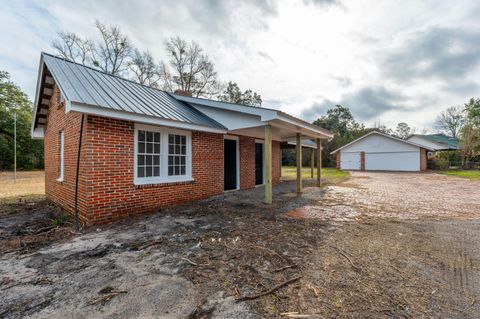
(312,162)
(267,164)
(299,163)
(319,162)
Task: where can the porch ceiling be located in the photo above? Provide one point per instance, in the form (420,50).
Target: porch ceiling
(284,132)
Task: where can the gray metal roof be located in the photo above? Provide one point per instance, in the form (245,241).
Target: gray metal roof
(82,84)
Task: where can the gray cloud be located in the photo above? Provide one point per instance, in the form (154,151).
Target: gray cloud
(365,104)
(343,81)
(444,53)
(266,56)
(324,2)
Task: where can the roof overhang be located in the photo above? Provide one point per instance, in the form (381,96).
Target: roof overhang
(43,93)
(138,118)
(381,134)
(285,125)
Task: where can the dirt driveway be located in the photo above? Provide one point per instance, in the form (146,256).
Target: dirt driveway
(399,195)
(378,245)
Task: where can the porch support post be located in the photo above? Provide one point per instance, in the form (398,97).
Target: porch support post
(312,162)
(267,164)
(319,162)
(298,150)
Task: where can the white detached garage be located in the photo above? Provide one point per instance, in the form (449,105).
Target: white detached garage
(376,151)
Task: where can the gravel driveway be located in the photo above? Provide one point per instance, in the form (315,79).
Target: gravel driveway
(400,195)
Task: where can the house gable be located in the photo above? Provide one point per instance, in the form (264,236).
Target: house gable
(376,143)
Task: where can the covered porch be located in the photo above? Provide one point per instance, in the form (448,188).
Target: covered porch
(269,125)
(291,135)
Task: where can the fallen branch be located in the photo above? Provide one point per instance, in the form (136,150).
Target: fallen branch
(272,252)
(261,294)
(107,297)
(341,252)
(189,261)
(285,268)
(150,244)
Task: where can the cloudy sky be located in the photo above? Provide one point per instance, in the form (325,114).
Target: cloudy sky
(388,61)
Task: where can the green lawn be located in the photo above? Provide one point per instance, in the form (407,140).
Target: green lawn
(473,175)
(329,175)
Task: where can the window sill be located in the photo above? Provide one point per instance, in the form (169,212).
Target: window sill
(138,182)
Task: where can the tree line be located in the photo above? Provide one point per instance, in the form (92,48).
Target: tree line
(462,122)
(186,66)
(29,152)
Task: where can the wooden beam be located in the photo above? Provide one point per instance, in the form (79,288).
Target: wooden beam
(298,150)
(267,164)
(312,162)
(319,162)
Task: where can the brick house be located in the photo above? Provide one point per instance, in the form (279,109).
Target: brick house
(141,148)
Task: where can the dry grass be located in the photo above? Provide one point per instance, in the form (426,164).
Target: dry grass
(29,182)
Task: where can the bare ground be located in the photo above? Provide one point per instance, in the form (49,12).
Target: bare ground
(337,256)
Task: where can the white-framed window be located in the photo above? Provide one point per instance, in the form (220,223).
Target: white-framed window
(61,151)
(162,155)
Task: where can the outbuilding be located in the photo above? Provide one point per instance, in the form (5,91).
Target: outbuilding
(115,148)
(377,151)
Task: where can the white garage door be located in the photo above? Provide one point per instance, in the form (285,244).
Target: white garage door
(392,161)
(350,160)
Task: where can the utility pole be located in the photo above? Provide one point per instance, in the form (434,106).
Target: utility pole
(15,146)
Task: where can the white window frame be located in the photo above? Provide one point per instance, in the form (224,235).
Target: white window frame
(163,178)
(62,156)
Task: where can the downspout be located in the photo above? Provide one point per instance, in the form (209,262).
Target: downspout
(77,226)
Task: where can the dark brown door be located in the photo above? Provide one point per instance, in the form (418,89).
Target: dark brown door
(230,164)
(258,163)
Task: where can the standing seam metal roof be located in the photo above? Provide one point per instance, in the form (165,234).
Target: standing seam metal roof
(448,141)
(86,85)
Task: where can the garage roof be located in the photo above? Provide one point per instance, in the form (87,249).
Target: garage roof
(381,134)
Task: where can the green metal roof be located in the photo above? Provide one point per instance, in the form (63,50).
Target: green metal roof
(448,141)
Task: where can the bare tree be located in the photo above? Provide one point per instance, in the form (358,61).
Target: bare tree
(73,48)
(189,69)
(112,52)
(144,68)
(451,121)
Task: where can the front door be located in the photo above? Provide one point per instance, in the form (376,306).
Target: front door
(258,163)
(230,164)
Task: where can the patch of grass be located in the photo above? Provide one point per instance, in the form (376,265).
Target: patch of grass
(329,175)
(470,174)
(60,220)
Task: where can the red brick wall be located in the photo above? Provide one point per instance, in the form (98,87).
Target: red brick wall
(63,193)
(362,161)
(247,162)
(113,195)
(423,160)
